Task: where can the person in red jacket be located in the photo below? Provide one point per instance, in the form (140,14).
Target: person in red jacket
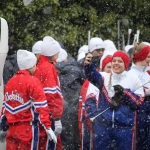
(24,106)
(47,74)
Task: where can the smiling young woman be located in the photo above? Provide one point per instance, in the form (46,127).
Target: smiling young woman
(119,91)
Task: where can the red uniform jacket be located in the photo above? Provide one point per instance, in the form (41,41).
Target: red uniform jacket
(46,73)
(24,97)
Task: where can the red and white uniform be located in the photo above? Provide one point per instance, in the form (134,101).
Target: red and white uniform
(24,97)
(47,74)
(85,125)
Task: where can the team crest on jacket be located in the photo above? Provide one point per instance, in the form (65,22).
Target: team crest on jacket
(16,97)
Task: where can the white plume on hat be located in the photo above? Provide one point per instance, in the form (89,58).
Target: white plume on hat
(83,48)
(96,43)
(49,46)
(81,55)
(62,55)
(36,48)
(110,46)
(25,59)
(127,47)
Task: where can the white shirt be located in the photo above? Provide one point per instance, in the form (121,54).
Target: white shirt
(141,73)
(126,79)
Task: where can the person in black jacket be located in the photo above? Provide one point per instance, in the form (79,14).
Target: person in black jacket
(69,76)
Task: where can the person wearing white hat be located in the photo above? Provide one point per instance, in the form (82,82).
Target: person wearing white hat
(97,46)
(62,56)
(36,49)
(82,52)
(46,73)
(110,46)
(24,97)
(83,48)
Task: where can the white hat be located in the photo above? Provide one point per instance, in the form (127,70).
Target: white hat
(110,46)
(49,46)
(25,59)
(84,49)
(81,55)
(62,55)
(36,49)
(96,43)
(110,49)
(127,47)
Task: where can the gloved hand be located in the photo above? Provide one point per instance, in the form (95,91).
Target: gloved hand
(58,127)
(51,135)
(116,99)
(3,124)
(118,89)
(2,136)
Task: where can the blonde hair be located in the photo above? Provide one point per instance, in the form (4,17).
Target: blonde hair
(137,48)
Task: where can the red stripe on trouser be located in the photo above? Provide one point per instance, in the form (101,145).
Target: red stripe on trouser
(43,140)
(59,144)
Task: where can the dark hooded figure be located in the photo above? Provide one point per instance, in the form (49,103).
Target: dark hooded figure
(10,66)
(69,76)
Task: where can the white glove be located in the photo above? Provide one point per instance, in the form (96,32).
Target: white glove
(51,135)
(58,127)
(3,136)
(147,91)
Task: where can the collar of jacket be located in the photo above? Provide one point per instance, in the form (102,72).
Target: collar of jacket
(119,76)
(141,68)
(22,72)
(43,59)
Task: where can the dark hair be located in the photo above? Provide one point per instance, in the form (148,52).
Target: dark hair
(13,47)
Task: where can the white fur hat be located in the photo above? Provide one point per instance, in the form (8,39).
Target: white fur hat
(84,49)
(36,49)
(62,55)
(25,59)
(49,46)
(81,55)
(96,43)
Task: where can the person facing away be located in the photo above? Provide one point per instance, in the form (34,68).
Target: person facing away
(10,66)
(121,94)
(48,77)
(25,106)
(69,76)
(36,49)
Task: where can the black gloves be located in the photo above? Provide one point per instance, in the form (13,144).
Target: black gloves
(4,125)
(117,98)
(118,89)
